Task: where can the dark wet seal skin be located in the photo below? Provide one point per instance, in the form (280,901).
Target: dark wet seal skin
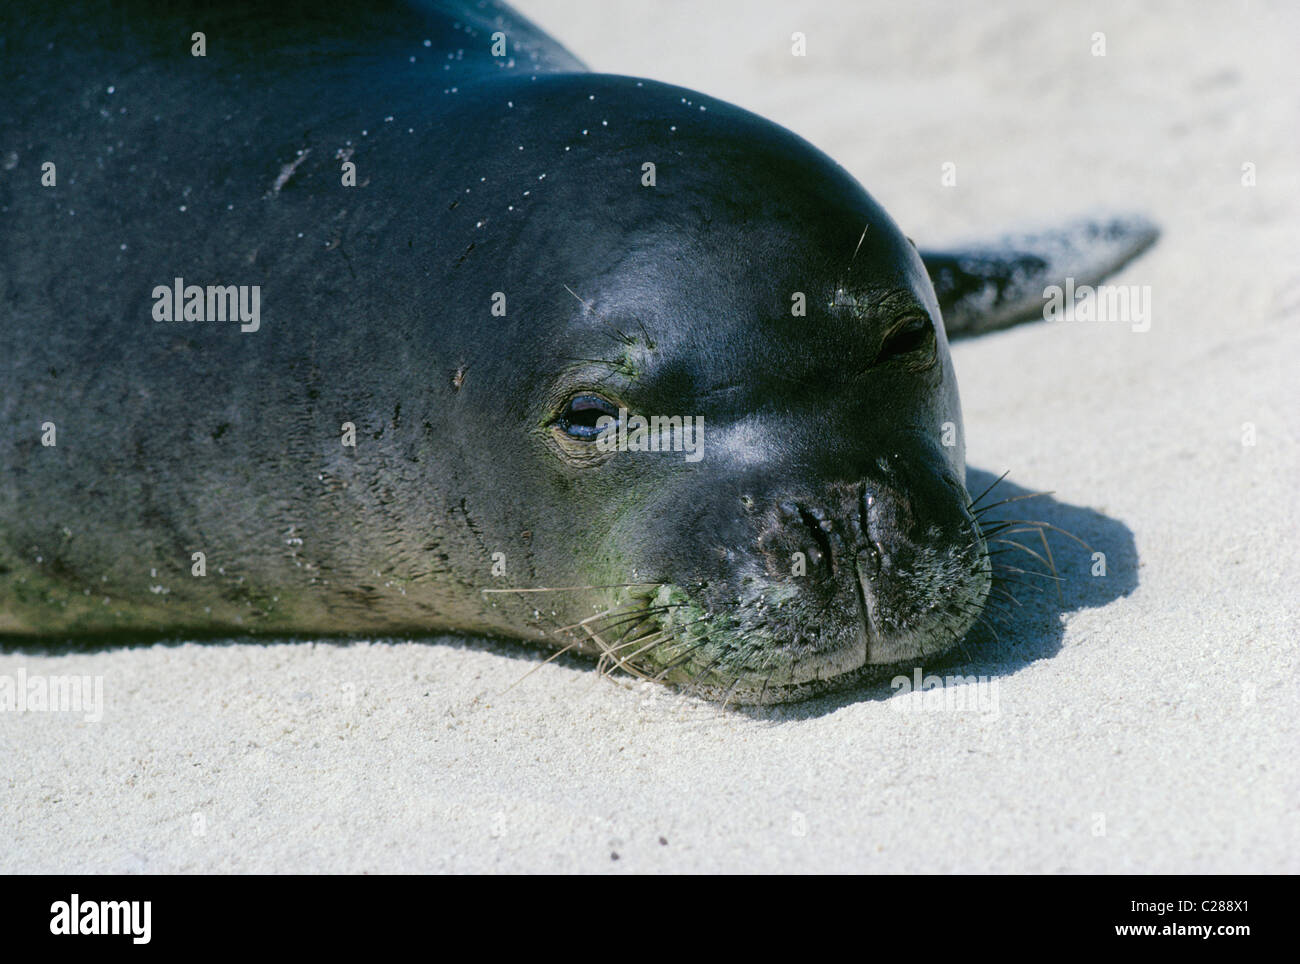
(823,538)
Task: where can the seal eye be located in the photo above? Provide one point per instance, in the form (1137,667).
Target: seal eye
(581,415)
(913,334)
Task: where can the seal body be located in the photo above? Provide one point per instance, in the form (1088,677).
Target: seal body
(458,247)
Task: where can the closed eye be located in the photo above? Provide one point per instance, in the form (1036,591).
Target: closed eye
(908,339)
(581,416)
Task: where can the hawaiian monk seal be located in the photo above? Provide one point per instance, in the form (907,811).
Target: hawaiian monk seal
(327,321)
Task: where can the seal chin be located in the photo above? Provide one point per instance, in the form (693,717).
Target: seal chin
(946,593)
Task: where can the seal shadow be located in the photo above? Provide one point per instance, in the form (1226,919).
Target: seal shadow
(1030,629)
(1033,627)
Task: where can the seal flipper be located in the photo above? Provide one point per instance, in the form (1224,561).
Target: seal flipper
(988,286)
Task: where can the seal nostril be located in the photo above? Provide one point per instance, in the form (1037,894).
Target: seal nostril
(820,527)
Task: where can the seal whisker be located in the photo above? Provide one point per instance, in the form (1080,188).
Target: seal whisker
(990,527)
(611,653)
(1001,566)
(1036,523)
(612,613)
(979,618)
(1002,579)
(554,656)
(646,642)
(959,639)
(650,343)
(621,336)
(1009,595)
(582,301)
(708,668)
(654,639)
(607,654)
(1051,561)
(583,622)
(997,608)
(634,618)
(998,552)
(858,247)
(976,501)
(690,685)
(677,661)
(1031,572)
(1024,548)
(730,691)
(1014,498)
(632,624)
(662,633)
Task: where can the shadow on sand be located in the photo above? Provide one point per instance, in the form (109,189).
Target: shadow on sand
(1034,628)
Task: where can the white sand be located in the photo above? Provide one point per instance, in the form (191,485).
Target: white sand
(1162,704)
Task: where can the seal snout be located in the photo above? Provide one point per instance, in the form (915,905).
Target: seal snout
(816,587)
(898,557)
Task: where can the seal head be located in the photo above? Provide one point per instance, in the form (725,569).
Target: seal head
(820,533)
